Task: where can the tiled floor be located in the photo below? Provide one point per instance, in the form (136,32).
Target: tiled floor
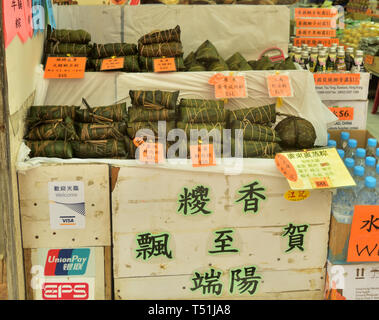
(372,121)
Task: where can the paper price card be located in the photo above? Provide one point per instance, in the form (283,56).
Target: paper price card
(112,63)
(322,33)
(316,23)
(164,65)
(228,86)
(369,59)
(312,42)
(202,155)
(279,85)
(65,67)
(315,12)
(364,235)
(334,79)
(150,152)
(346,113)
(314,169)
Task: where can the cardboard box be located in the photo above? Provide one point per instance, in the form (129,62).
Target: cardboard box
(352,114)
(374,66)
(352,282)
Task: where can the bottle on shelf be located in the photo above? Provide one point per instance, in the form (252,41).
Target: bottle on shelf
(332,143)
(344,139)
(370,166)
(342,205)
(371,147)
(360,157)
(358,65)
(313,59)
(304,47)
(359,178)
(291,52)
(304,60)
(331,61)
(340,63)
(349,163)
(341,153)
(297,55)
(351,148)
(368,194)
(321,61)
(349,58)
(377,154)
(320,47)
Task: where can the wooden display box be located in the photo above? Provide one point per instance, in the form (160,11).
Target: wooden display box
(146,201)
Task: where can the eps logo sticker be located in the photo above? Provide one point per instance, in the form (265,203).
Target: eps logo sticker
(65,291)
(67,262)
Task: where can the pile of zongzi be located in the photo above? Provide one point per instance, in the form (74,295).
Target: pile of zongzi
(160,44)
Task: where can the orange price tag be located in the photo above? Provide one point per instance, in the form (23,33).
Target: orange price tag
(334,79)
(322,33)
(312,42)
(202,155)
(320,183)
(164,65)
(279,85)
(316,23)
(346,113)
(315,12)
(229,86)
(65,67)
(286,167)
(369,59)
(111,64)
(364,235)
(138,141)
(150,152)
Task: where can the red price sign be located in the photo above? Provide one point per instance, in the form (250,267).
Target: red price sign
(229,86)
(315,12)
(346,113)
(151,152)
(111,64)
(164,65)
(65,67)
(333,79)
(312,42)
(369,59)
(322,33)
(202,155)
(279,85)
(316,23)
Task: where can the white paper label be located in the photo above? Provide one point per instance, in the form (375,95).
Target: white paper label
(67,205)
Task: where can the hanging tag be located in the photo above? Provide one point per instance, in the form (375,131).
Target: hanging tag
(228,86)
(279,85)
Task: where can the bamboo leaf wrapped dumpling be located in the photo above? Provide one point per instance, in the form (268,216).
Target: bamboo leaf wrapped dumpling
(99,149)
(116,112)
(52,112)
(134,127)
(256,149)
(54,130)
(201,103)
(137,114)
(207,53)
(113,49)
(169,35)
(68,36)
(101,131)
(203,115)
(67,48)
(257,132)
(167,49)
(147,63)
(260,115)
(131,64)
(50,149)
(156,99)
(238,62)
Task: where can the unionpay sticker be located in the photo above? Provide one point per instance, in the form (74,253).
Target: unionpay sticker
(63,262)
(67,205)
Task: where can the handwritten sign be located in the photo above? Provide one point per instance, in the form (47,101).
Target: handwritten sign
(314,169)
(369,59)
(202,155)
(112,63)
(228,86)
(279,85)
(364,235)
(322,33)
(334,79)
(315,12)
(345,113)
(15,22)
(164,65)
(312,42)
(65,67)
(150,152)
(316,23)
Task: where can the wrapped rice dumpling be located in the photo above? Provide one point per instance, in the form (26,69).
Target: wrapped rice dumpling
(238,62)
(52,112)
(50,149)
(101,131)
(137,114)
(154,99)
(147,63)
(99,149)
(166,49)
(65,48)
(113,49)
(296,133)
(130,64)
(262,64)
(68,36)
(133,127)
(201,103)
(203,115)
(196,67)
(54,130)
(257,132)
(260,115)
(219,65)
(257,149)
(130,147)
(187,127)
(170,35)
(189,60)
(207,53)
(116,112)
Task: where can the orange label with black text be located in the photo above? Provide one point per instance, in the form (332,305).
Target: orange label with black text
(313,42)
(65,67)
(296,195)
(202,155)
(369,59)
(316,23)
(164,65)
(315,12)
(230,87)
(279,85)
(345,113)
(111,64)
(364,235)
(322,33)
(319,183)
(333,79)
(150,152)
